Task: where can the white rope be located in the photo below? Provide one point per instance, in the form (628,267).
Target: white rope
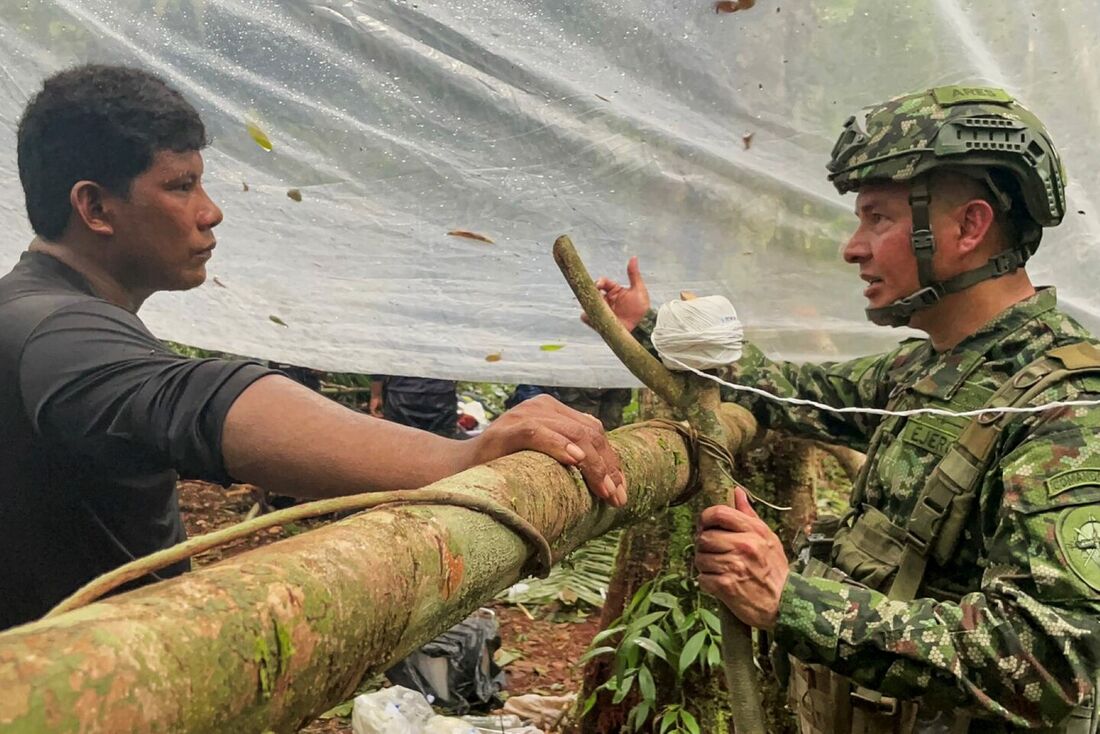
(880,411)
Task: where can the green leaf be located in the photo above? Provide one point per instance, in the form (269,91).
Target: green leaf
(711,619)
(607,633)
(646,686)
(640,596)
(690,621)
(639,624)
(689,722)
(638,715)
(503,657)
(276,320)
(691,650)
(659,636)
(652,647)
(668,719)
(595,652)
(343,710)
(714,656)
(664,599)
(551,347)
(629,652)
(624,690)
(588,703)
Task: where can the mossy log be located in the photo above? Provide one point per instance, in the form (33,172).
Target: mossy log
(266,640)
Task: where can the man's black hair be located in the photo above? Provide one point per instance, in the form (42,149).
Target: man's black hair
(97,123)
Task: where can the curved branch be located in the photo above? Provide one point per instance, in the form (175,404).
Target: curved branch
(641,363)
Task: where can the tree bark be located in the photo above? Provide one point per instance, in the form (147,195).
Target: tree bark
(268,639)
(643,554)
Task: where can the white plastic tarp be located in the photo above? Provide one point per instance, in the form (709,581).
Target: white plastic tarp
(661,128)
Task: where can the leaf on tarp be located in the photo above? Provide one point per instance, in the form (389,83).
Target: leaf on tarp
(470,235)
(551,347)
(258,136)
(294,194)
(746,140)
(600,96)
(275,319)
(218,282)
(732,6)
(244,186)
(494,357)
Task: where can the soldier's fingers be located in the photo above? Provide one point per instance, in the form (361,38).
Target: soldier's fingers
(604,283)
(634,273)
(715,541)
(741,502)
(724,517)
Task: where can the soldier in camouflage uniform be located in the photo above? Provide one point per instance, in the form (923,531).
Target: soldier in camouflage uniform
(961,593)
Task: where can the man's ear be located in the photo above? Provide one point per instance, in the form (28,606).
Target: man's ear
(975,218)
(89,202)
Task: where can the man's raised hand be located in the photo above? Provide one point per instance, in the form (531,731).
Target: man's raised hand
(628,303)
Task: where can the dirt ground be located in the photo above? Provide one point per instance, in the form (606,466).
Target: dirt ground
(539,646)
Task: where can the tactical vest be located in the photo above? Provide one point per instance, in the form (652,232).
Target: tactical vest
(871,551)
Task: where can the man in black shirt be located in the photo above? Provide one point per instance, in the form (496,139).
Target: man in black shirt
(421,402)
(97,416)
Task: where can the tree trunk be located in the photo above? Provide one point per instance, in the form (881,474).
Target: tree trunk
(268,639)
(643,553)
(646,551)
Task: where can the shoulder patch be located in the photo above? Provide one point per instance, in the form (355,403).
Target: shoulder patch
(1071,479)
(958,94)
(1079,539)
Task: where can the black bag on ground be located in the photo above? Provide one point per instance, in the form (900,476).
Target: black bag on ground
(456,669)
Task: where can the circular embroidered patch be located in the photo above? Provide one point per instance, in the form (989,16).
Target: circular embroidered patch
(1079,538)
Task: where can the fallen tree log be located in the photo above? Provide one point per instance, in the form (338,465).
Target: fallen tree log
(266,640)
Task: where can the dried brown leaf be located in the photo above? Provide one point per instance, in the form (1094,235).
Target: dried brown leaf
(732,6)
(469,235)
(277,320)
(294,194)
(494,357)
(746,140)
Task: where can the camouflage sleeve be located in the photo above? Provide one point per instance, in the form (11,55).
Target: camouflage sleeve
(862,382)
(1025,648)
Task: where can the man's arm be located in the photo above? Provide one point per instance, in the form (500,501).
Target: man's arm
(1026,646)
(286,438)
(97,384)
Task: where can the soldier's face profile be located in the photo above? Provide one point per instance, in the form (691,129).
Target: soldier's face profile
(880,244)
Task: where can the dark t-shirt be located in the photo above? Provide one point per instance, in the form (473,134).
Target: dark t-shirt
(421,402)
(96,417)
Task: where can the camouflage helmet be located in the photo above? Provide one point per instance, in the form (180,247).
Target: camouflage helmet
(972,129)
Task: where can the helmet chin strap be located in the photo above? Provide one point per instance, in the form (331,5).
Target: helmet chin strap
(931,291)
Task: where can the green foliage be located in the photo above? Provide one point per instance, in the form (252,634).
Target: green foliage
(491,395)
(630,412)
(664,632)
(580,577)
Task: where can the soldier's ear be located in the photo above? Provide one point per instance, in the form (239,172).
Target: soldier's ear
(973,219)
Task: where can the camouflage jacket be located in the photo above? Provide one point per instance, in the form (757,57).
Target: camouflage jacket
(1011,624)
